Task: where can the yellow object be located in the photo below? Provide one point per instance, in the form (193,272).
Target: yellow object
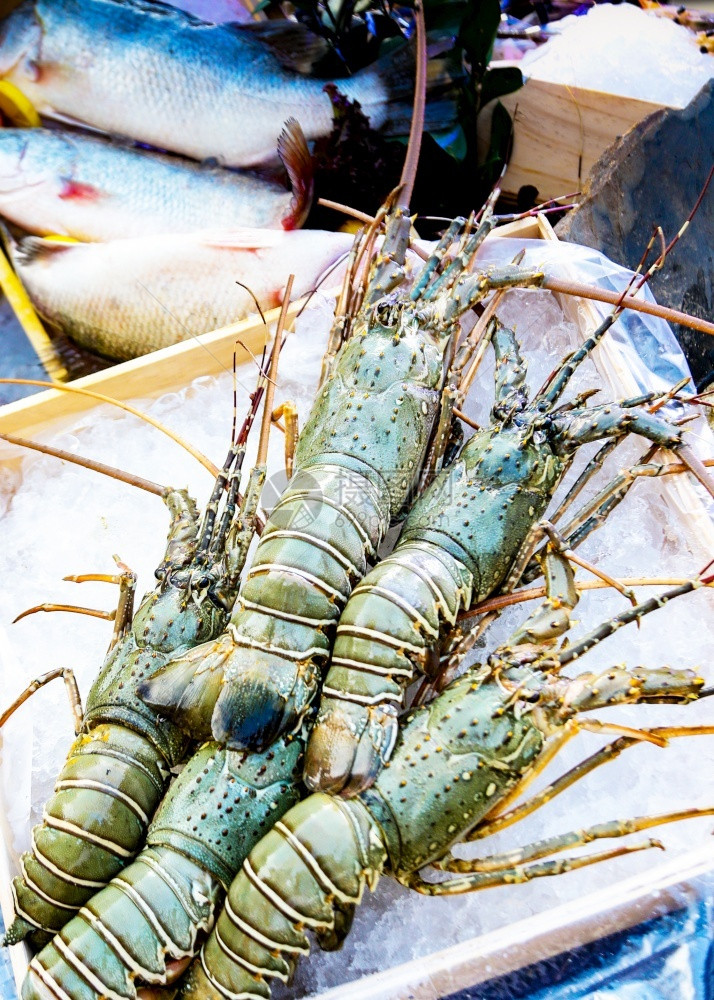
(59,238)
(27,318)
(353,226)
(18,108)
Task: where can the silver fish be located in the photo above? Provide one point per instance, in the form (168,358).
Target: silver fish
(142,69)
(127,297)
(87,187)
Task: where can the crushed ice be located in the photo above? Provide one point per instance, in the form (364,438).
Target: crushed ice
(620,49)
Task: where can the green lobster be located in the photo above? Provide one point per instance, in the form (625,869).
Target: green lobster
(146,924)
(471,533)
(118,768)
(455,761)
(457,765)
(358,459)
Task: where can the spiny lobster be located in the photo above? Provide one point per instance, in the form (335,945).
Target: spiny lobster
(118,767)
(472,532)
(358,459)
(458,764)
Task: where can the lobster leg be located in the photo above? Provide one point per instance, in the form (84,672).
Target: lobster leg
(602,756)
(587,519)
(516,873)
(592,467)
(75,700)
(121,616)
(564,841)
(289,414)
(126,580)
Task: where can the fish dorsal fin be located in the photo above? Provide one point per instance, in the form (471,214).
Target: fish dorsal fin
(295,156)
(293,45)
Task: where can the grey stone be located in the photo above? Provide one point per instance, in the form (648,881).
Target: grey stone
(652,176)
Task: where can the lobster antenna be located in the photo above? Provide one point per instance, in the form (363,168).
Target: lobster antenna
(628,302)
(198,455)
(234,458)
(320,282)
(88,463)
(557,382)
(354,213)
(502,601)
(270,389)
(238,452)
(411,161)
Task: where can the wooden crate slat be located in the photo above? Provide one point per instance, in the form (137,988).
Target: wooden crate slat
(560,132)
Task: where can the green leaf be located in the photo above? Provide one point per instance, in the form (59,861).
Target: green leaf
(499,145)
(452,142)
(444,19)
(478,31)
(500,81)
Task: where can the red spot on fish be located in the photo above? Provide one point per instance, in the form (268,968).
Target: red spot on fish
(79,191)
(276,298)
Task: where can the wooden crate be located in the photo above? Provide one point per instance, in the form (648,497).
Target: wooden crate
(560,132)
(662,889)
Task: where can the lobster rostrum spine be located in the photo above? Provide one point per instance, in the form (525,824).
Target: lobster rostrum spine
(118,767)
(358,459)
(459,544)
(455,760)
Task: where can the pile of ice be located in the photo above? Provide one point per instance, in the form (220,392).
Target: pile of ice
(621,49)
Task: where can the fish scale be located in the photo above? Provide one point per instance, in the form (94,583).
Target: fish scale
(179,84)
(58,182)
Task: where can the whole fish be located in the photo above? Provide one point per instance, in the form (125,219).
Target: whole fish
(127,297)
(145,70)
(87,187)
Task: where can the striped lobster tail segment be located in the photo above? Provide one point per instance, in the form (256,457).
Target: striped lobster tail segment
(92,826)
(313,550)
(392,622)
(142,927)
(308,873)
(147,924)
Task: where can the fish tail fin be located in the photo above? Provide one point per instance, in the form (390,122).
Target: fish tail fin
(396,72)
(295,156)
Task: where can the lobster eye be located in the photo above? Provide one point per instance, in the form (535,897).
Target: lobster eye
(386,314)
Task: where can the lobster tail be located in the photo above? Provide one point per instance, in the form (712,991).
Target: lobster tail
(139,927)
(258,680)
(144,927)
(93,825)
(307,872)
(394,617)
